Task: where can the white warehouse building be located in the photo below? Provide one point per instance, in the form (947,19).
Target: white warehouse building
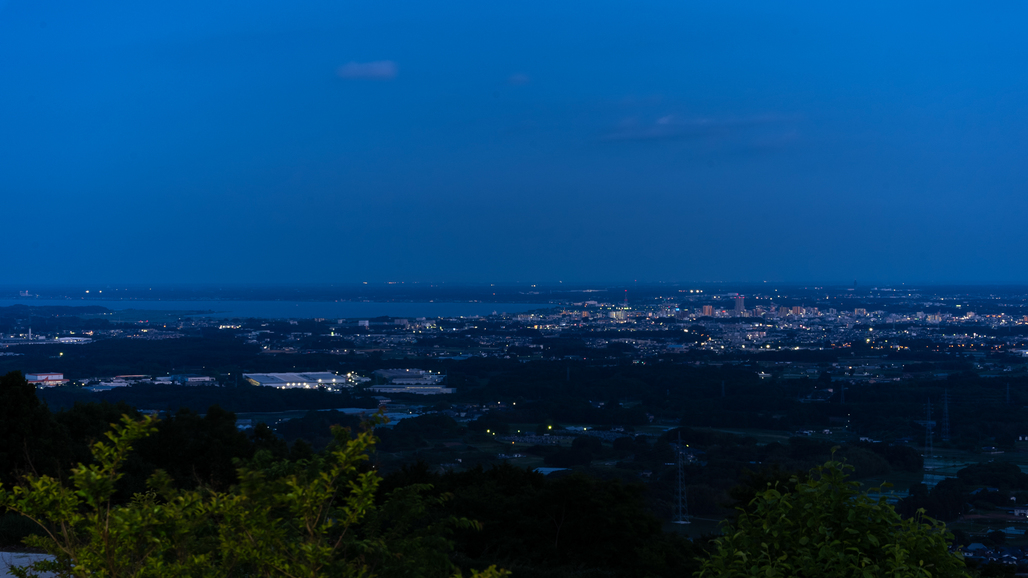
(311,380)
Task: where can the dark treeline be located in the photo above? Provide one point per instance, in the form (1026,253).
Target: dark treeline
(984,486)
(571,526)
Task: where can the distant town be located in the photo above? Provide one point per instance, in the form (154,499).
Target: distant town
(879,327)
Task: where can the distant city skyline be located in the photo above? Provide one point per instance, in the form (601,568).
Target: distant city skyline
(468,142)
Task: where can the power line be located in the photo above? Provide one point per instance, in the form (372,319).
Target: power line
(928,449)
(945,416)
(681,504)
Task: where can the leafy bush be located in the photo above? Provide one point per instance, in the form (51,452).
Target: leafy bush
(315,518)
(826,527)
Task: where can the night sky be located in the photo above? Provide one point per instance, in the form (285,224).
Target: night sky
(523,141)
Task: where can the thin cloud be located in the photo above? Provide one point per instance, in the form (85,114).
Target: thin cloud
(518,79)
(673,127)
(380,70)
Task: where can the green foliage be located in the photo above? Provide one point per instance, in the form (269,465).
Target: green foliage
(825,527)
(417,538)
(306,522)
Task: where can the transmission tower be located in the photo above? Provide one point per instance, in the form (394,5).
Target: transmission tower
(928,450)
(945,416)
(681,504)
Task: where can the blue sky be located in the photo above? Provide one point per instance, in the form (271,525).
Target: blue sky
(513,141)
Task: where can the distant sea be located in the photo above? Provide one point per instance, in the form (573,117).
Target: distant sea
(291,309)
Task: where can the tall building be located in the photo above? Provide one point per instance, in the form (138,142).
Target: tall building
(740,306)
(708,310)
(797,310)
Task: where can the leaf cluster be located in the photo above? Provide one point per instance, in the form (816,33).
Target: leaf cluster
(312,519)
(824,526)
